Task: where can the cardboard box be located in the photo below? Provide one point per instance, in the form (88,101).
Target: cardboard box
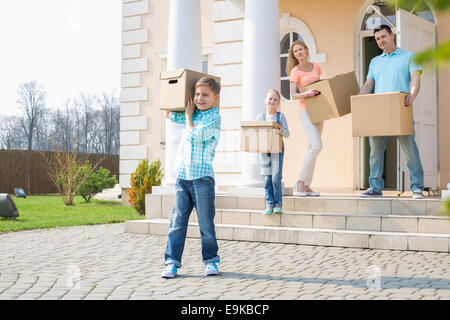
(334,98)
(177,87)
(381,114)
(261,137)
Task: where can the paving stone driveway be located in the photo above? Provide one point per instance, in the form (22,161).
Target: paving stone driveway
(111,264)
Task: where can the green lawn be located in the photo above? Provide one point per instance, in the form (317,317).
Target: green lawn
(42,212)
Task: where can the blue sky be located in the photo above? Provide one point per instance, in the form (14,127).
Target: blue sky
(69,46)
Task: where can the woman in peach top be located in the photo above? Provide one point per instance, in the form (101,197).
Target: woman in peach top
(302,72)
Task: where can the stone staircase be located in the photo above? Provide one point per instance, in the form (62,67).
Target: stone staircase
(344,221)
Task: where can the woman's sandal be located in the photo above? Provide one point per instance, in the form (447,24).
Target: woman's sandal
(300,193)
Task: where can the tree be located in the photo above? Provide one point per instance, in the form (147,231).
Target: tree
(64,127)
(10,136)
(109,118)
(86,124)
(96,182)
(84,106)
(32,102)
(43,131)
(68,171)
(439,55)
(142,180)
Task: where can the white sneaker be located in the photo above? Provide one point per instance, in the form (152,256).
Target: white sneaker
(418,195)
(211,269)
(170,271)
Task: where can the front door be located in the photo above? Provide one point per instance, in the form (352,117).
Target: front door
(415,34)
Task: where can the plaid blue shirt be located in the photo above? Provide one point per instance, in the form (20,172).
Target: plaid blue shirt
(199,145)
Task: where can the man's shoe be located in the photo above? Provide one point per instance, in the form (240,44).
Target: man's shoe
(418,195)
(371,193)
(211,269)
(170,271)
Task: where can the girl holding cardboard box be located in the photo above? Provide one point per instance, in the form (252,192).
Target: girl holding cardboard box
(272,163)
(302,72)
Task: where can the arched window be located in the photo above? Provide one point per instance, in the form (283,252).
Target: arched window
(292,29)
(285,44)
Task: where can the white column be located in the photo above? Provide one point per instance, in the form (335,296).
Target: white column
(184,51)
(261,71)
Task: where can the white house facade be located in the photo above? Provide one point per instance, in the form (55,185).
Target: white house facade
(244,42)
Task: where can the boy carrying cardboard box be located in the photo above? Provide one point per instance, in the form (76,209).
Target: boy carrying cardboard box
(195,178)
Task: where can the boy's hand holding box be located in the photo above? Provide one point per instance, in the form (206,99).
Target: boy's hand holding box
(261,137)
(381,114)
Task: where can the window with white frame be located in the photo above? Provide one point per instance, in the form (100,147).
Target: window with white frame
(293,29)
(205,64)
(285,44)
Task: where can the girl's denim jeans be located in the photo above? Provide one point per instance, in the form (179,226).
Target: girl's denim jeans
(272,169)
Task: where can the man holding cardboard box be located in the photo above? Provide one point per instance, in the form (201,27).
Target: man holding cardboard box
(391,71)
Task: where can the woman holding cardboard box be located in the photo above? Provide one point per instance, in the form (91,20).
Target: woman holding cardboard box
(302,72)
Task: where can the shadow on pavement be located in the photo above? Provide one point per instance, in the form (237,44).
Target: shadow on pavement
(385,282)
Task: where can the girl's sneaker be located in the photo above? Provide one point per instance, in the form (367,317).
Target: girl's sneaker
(268,210)
(277,210)
(170,271)
(211,269)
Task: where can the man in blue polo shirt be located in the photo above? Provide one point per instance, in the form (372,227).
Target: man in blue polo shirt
(391,71)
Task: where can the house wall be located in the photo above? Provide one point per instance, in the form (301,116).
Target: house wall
(333,31)
(144,48)
(332,25)
(134,93)
(156,50)
(228,23)
(337,164)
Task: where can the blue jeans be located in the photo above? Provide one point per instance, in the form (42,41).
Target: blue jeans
(272,169)
(409,146)
(198,193)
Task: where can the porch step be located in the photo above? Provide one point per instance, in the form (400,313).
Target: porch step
(337,221)
(348,221)
(158,206)
(305,236)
